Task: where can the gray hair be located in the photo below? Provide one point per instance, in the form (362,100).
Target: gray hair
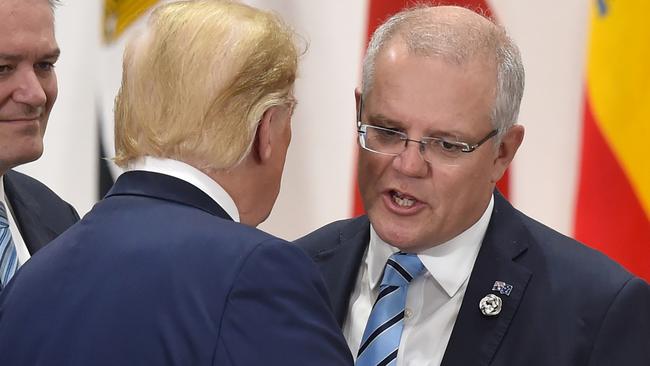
(54,3)
(449,32)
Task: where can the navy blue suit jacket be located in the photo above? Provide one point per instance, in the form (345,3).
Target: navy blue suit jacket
(570,305)
(40,214)
(158,274)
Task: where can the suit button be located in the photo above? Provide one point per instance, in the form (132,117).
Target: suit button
(408,313)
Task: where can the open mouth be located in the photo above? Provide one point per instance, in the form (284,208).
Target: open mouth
(402,200)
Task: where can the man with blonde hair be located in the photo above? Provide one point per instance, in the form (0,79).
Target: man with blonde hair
(443,270)
(168,268)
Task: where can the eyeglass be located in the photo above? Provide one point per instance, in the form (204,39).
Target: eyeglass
(389,141)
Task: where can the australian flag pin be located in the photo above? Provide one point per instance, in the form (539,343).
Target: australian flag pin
(502,287)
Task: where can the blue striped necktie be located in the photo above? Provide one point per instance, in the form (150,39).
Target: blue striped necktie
(380,341)
(8,255)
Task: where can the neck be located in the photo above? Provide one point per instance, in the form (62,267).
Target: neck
(243,185)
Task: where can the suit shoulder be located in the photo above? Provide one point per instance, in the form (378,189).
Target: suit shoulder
(26,183)
(574,258)
(279,288)
(278,250)
(232,236)
(20,185)
(331,234)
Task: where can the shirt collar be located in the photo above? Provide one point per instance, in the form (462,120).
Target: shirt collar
(191,175)
(3,198)
(449,263)
(2,189)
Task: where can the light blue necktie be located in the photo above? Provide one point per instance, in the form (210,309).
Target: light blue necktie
(383,331)
(8,255)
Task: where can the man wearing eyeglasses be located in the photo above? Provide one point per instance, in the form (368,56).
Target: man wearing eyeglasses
(443,270)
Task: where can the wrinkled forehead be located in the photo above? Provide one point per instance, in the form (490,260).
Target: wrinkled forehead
(17,15)
(431,90)
(27,30)
(397,66)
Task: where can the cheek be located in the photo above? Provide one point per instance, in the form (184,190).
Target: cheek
(287,142)
(370,172)
(473,185)
(6,90)
(51,88)
(287,131)
(455,183)
(366,169)
(485,171)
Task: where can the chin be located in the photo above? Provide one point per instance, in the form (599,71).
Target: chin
(396,235)
(27,157)
(406,235)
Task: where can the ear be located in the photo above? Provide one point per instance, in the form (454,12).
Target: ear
(263,144)
(507,149)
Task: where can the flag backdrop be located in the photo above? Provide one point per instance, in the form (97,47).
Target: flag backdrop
(319,172)
(613,205)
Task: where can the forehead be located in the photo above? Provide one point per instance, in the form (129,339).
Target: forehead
(431,91)
(26,27)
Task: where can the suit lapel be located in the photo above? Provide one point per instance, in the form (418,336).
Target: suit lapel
(340,264)
(476,337)
(161,186)
(35,231)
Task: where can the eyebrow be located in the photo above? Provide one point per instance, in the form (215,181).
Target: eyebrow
(53,54)
(383,119)
(48,55)
(395,124)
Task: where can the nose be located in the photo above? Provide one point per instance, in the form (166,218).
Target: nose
(29,89)
(410,162)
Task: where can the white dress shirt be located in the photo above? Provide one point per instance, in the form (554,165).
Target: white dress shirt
(433,299)
(191,175)
(19,243)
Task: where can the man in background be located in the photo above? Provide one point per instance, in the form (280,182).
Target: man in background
(168,268)
(443,270)
(31,215)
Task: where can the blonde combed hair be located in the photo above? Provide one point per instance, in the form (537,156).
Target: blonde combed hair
(197,81)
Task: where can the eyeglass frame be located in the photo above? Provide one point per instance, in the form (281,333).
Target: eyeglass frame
(464,146)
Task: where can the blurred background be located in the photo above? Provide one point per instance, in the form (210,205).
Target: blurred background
(576,171)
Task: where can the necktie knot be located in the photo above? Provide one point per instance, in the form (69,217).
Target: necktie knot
(401,269)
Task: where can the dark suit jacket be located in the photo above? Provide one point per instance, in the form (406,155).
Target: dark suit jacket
(570,305)
(40,214)
(158,274)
